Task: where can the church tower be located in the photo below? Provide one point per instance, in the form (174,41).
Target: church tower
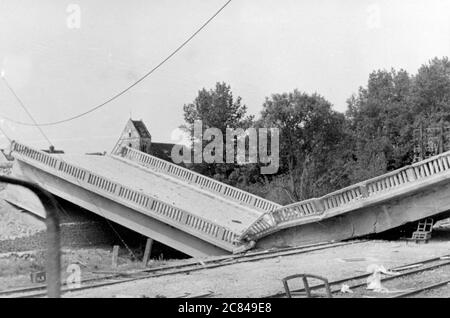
(136,136)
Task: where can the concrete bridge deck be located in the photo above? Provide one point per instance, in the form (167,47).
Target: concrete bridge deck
(229,214)
(388,201)
(201,216)
(196,180)
(208,218)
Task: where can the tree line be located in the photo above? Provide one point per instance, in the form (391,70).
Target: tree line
(322,150)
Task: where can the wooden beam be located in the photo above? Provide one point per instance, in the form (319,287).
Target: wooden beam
(115,255)
(147,252)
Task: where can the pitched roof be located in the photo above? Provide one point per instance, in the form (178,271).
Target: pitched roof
(141,128)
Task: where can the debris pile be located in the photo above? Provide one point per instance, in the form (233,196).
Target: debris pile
(374,281)
(5,170)
(16,224)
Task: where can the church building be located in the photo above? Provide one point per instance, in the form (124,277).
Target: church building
(136,135)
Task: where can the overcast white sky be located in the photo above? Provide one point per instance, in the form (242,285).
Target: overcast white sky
(259,47)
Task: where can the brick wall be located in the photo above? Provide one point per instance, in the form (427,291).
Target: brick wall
(82,234)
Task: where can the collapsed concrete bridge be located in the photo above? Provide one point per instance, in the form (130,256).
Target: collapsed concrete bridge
(201,216)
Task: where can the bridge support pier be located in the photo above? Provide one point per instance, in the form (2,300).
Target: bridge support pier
(147,252)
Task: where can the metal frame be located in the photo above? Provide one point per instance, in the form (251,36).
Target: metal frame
(305,277)
(53,257)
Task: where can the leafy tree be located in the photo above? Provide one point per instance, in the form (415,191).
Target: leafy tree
(309,131)
(384,114)
(430,94)
(381,119)
(322,150)
(430,97)
(216,108)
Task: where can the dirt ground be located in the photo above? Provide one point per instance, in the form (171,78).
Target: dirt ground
(13,222)
(15,268)
(398,285)
(17,224)
(263,278)
(255,279)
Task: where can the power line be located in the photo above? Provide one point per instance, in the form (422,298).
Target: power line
(25,108)
(132,85)
(5,134)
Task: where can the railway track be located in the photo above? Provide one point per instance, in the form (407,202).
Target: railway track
(423,289)
(358,283)
(195,265)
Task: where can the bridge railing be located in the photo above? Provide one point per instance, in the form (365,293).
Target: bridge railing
(347,196)
(177,217)
(199,180)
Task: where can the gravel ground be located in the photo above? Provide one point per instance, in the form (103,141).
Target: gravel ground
(13,222)
(263,278)
(15,268)
(406,283)
(16,224)
(421,280)
(438,292)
